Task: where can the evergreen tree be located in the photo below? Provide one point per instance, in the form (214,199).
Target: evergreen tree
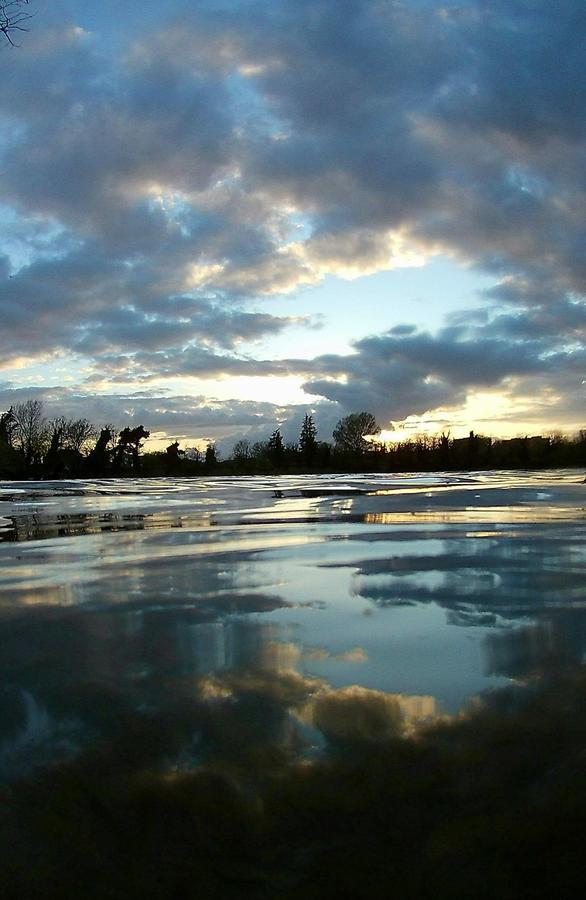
(7,427)
(307,441)
(275,448)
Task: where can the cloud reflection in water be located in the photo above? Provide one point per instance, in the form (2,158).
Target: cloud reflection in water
(195,696)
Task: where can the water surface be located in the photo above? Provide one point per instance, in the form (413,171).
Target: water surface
(285,612)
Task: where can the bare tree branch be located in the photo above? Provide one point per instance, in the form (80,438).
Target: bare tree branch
(12,16)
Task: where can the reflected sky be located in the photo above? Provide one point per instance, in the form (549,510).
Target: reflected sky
(297,612)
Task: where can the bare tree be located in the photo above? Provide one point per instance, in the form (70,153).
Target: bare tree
(70,434)
(194,454)
(259,450)
(57,429)
(79,433)
(30,431)
(241,451)
(13,15)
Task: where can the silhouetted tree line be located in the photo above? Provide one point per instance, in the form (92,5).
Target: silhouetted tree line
(33,446)
(355,448)
(442,452)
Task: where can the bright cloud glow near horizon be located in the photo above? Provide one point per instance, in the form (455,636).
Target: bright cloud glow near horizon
(219,216)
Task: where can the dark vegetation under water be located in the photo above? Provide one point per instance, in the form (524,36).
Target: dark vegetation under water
(31,446)
(491,804)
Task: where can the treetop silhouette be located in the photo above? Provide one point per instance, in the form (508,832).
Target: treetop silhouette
(351,432)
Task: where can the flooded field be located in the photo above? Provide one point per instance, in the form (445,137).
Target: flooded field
(179,627)
(426,590)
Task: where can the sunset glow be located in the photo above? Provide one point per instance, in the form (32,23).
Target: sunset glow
(219,216)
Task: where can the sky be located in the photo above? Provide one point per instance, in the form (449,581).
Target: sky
(218,215)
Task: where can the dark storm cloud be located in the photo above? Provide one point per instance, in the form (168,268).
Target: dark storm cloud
(93,305)
(406,371)
(176,325)
(199,362)
(559,324)
(523,62)
(248,148)
(396,374)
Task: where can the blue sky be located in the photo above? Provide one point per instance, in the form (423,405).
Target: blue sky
(217,216)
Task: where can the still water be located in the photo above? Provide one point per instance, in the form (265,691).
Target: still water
(284,612)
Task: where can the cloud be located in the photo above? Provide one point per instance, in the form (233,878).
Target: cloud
(183,417)
(154,190)
(404,371)
(174,414)
(357,713)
